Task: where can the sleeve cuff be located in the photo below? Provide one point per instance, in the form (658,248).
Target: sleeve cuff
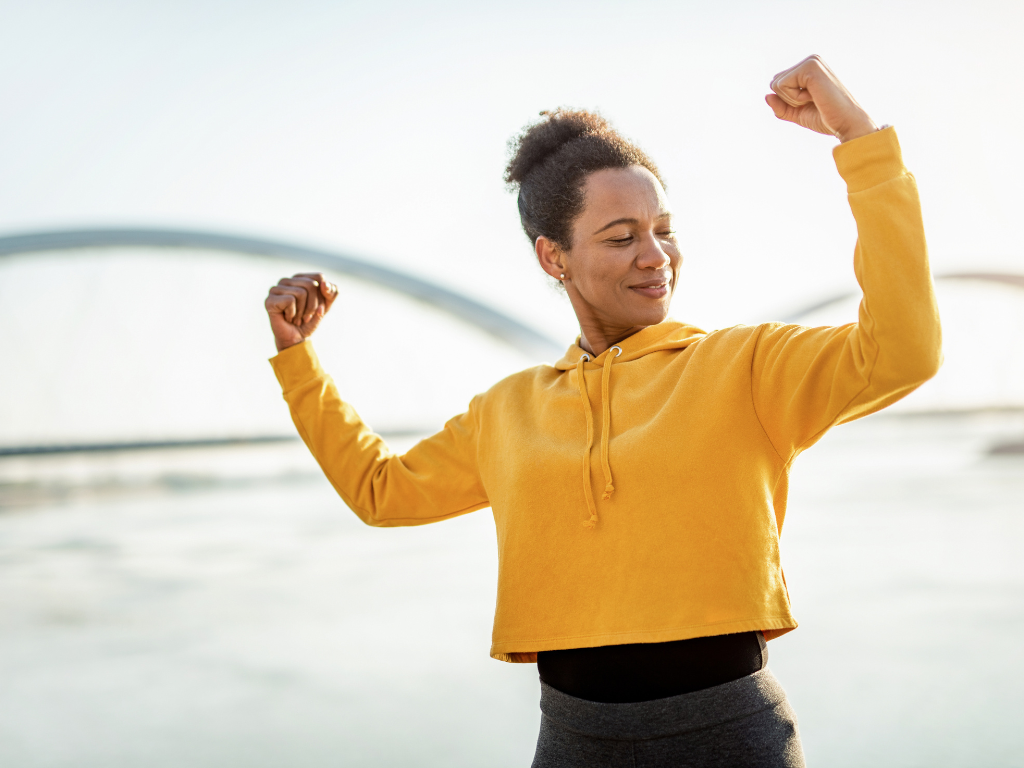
(869,160)
(296,366)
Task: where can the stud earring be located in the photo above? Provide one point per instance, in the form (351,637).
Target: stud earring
(562,276)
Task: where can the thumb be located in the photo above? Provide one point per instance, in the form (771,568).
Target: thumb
(779,107)
(279,324)
(314,322)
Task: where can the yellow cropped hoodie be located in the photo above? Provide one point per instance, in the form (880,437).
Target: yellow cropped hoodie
(639,496)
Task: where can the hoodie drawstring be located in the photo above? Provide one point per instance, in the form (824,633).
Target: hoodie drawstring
(581,383)
(606,420)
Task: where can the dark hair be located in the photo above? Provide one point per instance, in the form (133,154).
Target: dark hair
(550,161)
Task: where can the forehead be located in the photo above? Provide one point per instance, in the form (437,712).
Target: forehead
(634,192)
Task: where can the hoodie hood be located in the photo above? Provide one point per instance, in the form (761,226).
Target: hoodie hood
(664,336)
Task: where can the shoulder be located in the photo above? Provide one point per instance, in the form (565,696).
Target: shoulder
(736,336)
(528,378)
(524,383)
(743,334)
(743,342)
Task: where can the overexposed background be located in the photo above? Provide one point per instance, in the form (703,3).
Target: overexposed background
(380,128)
(219,607)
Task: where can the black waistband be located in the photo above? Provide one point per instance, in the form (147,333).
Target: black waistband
(646,671)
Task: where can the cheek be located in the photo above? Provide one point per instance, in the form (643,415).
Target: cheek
(594,272)
(609,277)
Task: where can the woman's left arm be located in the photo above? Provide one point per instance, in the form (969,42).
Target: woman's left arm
(804,380)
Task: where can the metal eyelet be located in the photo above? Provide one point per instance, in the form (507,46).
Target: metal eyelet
(618,348)
(585,356)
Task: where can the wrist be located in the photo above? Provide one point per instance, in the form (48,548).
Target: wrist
(861,128)
(282,344)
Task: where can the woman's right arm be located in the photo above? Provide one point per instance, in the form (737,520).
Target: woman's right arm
(437,479)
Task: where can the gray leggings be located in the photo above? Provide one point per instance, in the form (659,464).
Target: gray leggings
(746,722)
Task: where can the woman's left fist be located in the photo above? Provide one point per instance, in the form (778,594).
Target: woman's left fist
(810,95)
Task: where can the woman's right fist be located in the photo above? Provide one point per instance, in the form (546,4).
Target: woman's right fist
(296,305)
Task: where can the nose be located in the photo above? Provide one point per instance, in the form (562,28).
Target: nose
(652,253)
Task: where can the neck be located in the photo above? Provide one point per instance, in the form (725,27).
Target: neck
(597,339)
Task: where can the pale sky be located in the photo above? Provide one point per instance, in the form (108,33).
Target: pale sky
(379,129)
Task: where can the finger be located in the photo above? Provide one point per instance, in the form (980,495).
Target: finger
(312,289)
(785,111)
(788,89)
(330,292)
(778,106)
(299,294)
(280,303)
(314,322)
(793,85)
(309,295)
(317,276)
(780,78)
(814,61)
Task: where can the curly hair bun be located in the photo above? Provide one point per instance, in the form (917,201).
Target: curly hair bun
(543,139)
(550,161)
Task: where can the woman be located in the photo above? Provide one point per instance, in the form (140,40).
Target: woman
(639,485)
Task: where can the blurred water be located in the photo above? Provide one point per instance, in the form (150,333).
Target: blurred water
(222,608)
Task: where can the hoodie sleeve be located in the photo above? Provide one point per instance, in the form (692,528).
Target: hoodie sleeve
(436,479)
(805,380)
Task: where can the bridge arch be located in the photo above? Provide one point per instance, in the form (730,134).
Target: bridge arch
(994,278)
(486,319)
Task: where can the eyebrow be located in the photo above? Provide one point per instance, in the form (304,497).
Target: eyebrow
(611,224)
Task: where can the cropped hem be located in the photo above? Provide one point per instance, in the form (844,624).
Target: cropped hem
(525,651)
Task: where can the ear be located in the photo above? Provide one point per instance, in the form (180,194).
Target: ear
(550,256)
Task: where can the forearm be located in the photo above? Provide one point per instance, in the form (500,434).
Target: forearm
(346,450)
(435,480)
(897,341)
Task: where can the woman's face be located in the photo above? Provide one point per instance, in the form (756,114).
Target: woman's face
(621,270)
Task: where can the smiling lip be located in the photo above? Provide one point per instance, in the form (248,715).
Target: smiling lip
(653,289)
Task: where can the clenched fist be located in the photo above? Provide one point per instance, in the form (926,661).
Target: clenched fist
(296,305)
(810,95)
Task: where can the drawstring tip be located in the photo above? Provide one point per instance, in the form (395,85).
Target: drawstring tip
(589,524)
(608,491)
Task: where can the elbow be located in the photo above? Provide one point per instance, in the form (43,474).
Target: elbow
(376,517)
(367,514)
(923,372)
(931,353)
(933,365)
(371,518)
(923,361)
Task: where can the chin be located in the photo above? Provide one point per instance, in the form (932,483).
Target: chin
(650,315)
